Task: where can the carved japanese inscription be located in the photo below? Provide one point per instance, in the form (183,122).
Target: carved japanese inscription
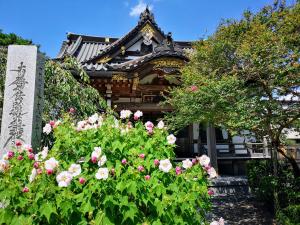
(23,97)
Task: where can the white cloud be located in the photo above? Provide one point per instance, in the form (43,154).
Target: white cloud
(139,8)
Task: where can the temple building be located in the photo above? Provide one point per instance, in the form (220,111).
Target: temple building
(135,71)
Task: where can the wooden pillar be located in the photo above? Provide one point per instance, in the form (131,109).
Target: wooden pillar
(212,146)
(108,95)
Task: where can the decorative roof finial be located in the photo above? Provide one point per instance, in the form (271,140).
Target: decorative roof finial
(147,15)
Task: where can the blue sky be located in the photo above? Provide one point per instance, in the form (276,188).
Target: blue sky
(47,21)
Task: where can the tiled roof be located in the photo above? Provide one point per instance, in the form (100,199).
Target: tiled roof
(87,49)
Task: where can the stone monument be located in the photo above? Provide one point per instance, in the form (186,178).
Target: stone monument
(23,97)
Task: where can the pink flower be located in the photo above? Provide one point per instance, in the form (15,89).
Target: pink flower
(141,168)
(149,126)
(10,154)
(81,180)
(49,171)
(31,156)
(178,170)
(142,156)
(156,162)
(20,157)
(52,123)
(210,192)
(36,165)
(39,171)
(137,115)
(18,143)
(147,177)
(194,161)
(207,167)
(25,190)
(72,110)
(194,88)
(124,161)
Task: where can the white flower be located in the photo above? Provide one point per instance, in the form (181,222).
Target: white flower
(187,164)
(32,175)
(51,164)
(125,114)
(160,125)
(75,170)
(165,165)
(171,139)
(97,152)
(220,222)
(47,128)
(102,160)
(3,165)
(93,119)
(138,114)
(42,155)
(204,160)
(81,125)
(212,172)
(102,174)
(64,179)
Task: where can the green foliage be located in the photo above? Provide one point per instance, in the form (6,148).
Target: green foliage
(67,86)
(262,183)
(289,216)
(245,76)
(125,197)
(12,39)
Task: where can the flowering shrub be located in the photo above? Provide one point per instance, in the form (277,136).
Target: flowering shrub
(104,171)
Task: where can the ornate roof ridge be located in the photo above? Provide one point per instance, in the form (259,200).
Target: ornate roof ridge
(145,17)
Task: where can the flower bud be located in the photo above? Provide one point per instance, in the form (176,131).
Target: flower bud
(49,171)
(25,189)
(20,157)
(52,123)
(31,156)
(147,177)
(178,170)
(81,180)
(156,162)
(72,110)
(94,159)
(142,156)
(36,165)
(10,154)
(141,168)
(18,143)
(124,161)
(210,192)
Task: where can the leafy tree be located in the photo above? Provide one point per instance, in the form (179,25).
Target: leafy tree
(246,76)
(10,39)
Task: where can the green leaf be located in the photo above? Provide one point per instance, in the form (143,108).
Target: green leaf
(47,209)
